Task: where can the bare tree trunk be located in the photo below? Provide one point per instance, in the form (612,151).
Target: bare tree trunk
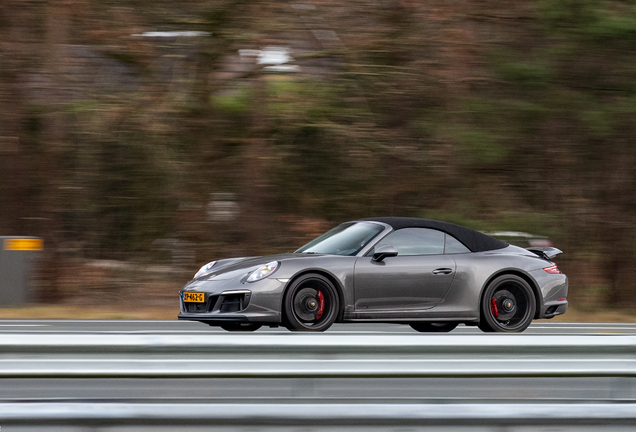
(255,205)
(13,186)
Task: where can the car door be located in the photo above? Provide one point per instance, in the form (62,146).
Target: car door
(416,279)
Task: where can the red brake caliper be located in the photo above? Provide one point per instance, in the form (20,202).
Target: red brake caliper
(321,305)
(493,308)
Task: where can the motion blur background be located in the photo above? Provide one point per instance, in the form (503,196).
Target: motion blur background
(141,139)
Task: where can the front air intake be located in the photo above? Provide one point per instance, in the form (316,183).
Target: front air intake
(201,307)
(234,302)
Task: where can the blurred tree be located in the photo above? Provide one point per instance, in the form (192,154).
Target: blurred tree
(515,115)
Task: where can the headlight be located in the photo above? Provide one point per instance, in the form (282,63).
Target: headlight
(205,269)
(263,271)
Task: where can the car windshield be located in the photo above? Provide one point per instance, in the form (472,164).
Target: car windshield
(346,239)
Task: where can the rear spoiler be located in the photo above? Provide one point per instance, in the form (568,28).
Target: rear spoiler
(547,253)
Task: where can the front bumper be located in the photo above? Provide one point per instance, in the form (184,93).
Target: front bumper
(230,301)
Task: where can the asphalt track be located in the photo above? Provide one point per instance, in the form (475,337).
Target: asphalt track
(187,327)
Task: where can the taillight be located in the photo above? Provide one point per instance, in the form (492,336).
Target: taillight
(552,270)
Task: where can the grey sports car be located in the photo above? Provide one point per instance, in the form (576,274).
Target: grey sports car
(428,274)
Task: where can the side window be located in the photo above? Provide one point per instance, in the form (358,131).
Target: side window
(415,241)
(453,246)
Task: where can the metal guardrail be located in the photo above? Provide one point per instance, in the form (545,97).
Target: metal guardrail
(604,362)
(313,368)
(315,356)
(310,343)
(310,417)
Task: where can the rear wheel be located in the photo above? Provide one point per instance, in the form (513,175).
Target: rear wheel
(440,327)
(311,304)
(508,305)
(240,327)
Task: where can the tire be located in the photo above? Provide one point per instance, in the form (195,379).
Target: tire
(240,327)
(311,304)
(441,327)
(508,305)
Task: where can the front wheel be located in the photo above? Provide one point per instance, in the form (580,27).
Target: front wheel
(240,327)
(311,304)
(508,305)
(440,327)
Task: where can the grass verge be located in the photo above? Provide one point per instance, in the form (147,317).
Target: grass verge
(84,312)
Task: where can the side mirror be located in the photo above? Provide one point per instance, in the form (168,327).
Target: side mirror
(384,252)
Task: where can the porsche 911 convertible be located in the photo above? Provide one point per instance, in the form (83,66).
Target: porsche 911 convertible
(428,274)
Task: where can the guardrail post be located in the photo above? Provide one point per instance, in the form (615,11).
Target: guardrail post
(16,258)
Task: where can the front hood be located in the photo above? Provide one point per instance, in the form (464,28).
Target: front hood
(239,267)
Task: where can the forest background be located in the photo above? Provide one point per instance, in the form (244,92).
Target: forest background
(139,157)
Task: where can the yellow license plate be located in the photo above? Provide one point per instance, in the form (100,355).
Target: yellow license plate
(193,297)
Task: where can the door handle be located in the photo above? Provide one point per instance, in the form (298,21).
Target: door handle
(442,271)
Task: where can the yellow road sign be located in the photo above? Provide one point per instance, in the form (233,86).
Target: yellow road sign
(23,244)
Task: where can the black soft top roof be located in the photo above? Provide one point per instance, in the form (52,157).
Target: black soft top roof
(473,240)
